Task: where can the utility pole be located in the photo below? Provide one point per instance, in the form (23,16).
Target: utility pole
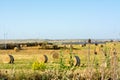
(5,40)
(119,37)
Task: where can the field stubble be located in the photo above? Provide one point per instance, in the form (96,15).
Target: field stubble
(28,55)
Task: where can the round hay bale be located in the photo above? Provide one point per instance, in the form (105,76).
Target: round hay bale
(16,49)
(76,61)
(39,47)
(8,59)
(43,58)
(25,45)
(55,55)
(21,45)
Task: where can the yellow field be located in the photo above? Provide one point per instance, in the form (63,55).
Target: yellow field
(28,55)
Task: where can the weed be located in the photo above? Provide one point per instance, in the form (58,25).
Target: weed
(38,66)
(61,61)
(71,57)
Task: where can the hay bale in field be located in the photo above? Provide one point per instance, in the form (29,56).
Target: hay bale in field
(76,61)
(8,59)
(39,47)
(16,49)
(55,55)
(43,58)
(25,45)
(21,45)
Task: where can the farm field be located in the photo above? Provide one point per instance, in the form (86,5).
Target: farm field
(59,40)
(97,62)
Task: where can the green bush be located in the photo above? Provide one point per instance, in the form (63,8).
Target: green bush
(38,66)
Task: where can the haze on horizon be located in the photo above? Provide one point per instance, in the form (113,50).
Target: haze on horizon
(59,19)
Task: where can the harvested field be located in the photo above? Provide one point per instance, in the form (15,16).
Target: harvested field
(58,60)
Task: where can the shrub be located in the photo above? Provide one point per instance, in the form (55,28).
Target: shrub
(38,66)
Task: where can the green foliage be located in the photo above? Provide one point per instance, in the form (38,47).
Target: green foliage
(107,56)
(38,66)
(61,62)
(95,62)
(71,57)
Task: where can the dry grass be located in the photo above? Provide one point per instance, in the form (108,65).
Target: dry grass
(25,57)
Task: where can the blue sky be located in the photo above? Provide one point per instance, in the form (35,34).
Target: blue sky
(60,19)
